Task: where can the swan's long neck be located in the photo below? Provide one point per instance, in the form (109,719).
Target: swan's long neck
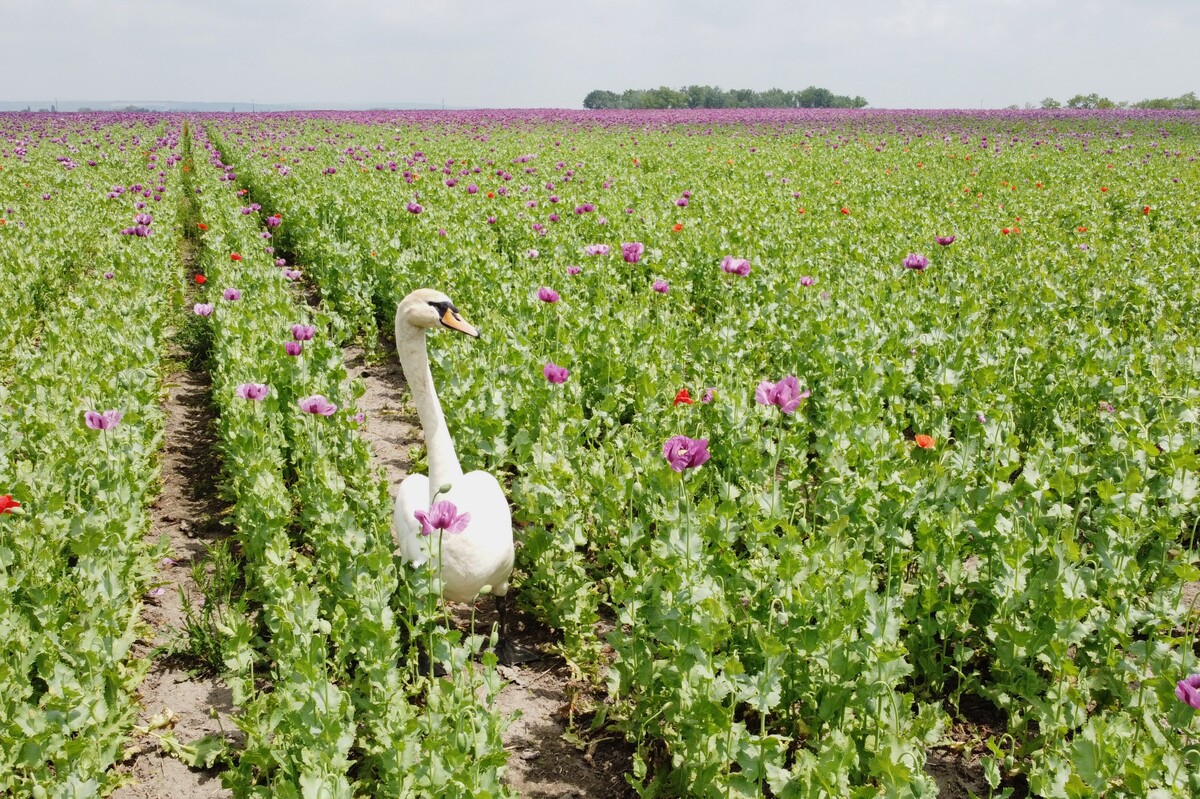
(443,462)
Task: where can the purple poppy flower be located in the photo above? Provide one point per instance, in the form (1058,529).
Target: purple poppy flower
(102,421)
(143,219)
(709,395)
(303,332)
(596,249)
(682,202)
(202,309)
(554,373)
(1187,691)
(109,275)
(547,295)
(274,221)
(735,266)
(574,270)
(414,208)
(491,220)
(945,241)
(532,254)
(632,251)
(232,295)
(661,286)
(281,262)
(317,404)
(785,395)
(682,452)
(442,515)
(252,391)
(441,231)
(807,280)
(292,274)
(293,348)
(472,189)
(916,261)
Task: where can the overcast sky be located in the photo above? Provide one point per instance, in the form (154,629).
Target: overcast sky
(550,53)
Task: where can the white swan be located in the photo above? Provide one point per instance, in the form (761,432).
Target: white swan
(481,556)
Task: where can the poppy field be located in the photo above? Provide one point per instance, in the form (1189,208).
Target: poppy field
(834,440)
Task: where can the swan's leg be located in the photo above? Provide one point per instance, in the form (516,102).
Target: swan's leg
(509,653)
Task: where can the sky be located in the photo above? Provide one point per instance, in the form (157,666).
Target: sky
(551,53)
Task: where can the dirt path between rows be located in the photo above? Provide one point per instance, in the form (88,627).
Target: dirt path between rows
(186,513)
(541,764)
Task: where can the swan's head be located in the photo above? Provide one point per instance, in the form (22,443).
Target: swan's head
(428,308)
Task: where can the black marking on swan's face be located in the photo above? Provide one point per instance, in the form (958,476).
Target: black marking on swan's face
(450,317)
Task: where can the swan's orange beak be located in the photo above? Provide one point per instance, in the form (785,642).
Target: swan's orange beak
(452,320)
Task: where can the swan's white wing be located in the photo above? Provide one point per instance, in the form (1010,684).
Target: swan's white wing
(413,495)
(482,554)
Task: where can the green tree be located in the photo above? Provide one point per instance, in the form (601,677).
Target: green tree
(697,96)
(1092,100)
(814,97)
(601,99)
(1050,102)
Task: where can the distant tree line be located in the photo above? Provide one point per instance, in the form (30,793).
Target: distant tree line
(1184,102)
(715,97)
(129,109)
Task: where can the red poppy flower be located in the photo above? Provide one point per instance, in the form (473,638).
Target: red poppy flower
(201,279)
(491,195)
(202,226)
(1145,210)
(925,442)
(278,216)
(7,503)
(1039,185)
(1081,229)
(678,227)
(800,211)
(1104,188)
(243,192)
(683,398)
(233,256)
(845,210)
(1005,231)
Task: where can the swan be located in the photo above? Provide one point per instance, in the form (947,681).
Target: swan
(481,556)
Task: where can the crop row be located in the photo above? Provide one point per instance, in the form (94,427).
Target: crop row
(84,328)
(331,623)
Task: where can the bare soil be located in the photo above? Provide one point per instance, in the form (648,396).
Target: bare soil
(186,513)
(542,764)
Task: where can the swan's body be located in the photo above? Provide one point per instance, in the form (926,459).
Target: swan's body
(481,556)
